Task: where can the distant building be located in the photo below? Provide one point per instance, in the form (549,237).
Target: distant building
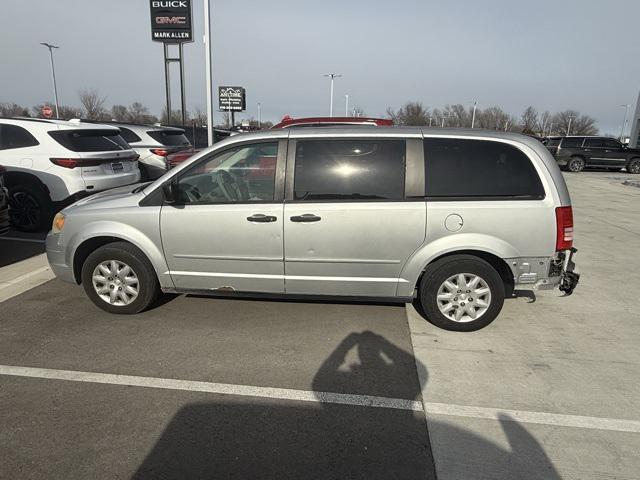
(634,140)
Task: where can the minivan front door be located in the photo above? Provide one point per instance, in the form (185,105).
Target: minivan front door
(224,231)
(348,228)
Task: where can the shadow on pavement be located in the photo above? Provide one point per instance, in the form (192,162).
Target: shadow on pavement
(12,251)
(253,438)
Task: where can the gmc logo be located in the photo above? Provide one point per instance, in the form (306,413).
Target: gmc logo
(169,4)
(171,20)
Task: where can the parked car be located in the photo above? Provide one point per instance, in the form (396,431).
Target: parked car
(154,143)
(176,158)
(288,122)
(51,163)
(333,212)
(575,153)
(4,205)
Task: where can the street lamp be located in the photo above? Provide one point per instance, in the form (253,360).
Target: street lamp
(346,105)
(569,126)
(624,121)
(332,76)
(53,73)
(473,117)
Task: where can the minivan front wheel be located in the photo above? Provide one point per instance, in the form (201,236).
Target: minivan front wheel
(461,293)
(118,278)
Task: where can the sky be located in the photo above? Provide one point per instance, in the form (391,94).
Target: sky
(552,54)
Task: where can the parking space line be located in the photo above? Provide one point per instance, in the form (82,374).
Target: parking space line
(430,408)
(23,277)
(541,418)
(17,239)
(210,387)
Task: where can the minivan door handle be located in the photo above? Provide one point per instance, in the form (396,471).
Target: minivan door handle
(261,218)
(307,217)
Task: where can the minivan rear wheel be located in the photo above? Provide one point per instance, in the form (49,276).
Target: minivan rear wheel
(461,293)
(119,278)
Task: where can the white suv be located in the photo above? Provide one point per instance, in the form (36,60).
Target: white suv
(153,143)
(51,163)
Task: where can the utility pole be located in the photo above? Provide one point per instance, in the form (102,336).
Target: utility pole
(53,73)
(624,121)
(346,105)
(209,77)
(332,76)
(259,116)
(473,117)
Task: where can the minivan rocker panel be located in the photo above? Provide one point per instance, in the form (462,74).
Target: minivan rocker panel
(252,216)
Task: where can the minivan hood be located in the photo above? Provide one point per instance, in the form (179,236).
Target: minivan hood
(108,196)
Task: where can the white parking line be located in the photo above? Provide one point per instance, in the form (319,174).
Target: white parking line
(17,239)
(592,423)
(209,387)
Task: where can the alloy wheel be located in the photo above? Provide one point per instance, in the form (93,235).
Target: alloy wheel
(25,211)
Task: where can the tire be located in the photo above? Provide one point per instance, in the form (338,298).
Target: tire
(634,166)
(31,208)
(124,255)
(433,284)
(575,164)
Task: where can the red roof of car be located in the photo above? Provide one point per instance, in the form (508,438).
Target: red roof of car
(309,121)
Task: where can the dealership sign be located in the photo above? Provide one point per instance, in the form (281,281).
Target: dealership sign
(231,99)
(171,21)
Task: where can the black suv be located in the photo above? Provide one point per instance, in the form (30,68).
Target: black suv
(577,153)
(4,205)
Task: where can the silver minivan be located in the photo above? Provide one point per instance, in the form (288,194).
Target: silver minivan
(454,221)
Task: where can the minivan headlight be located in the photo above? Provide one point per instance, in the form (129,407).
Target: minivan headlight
(58,223)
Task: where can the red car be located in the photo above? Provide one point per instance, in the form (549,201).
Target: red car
(288,122)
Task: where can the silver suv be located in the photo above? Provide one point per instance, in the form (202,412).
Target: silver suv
(452,220)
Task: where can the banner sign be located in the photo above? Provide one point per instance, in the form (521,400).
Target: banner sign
(171,21)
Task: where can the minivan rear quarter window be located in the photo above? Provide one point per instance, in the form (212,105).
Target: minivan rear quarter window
(478,169)
(90,140)
(169,138)
(360,169)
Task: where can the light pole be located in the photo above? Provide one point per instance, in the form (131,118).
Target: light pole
(259,116)
(53,73)
(443,118)
(569,126)
(346,105)
(208,74)
(624,121)
(430,119)
(332,76)
(473,117)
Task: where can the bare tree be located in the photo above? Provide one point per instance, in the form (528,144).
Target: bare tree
(119,113)
(580,124)
(138,113)
(412,113)
(544,122)
(13,110)
(93,104)
(529,120)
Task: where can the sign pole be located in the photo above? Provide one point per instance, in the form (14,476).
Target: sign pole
(209,79)
(167,82)
(182,95)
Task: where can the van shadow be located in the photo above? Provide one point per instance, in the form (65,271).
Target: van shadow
(248,437)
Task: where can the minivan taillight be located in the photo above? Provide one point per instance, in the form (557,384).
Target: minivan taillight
(564,228)
(65,162)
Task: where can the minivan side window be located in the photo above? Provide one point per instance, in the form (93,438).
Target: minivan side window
(478,169)
(244,174)
(349,170)
(12,136)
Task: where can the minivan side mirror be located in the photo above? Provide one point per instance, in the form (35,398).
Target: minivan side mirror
(170,191)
